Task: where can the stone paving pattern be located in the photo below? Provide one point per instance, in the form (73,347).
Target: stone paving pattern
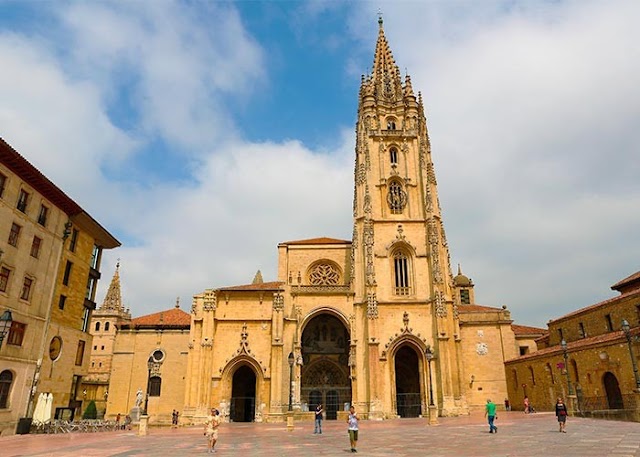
(518,435)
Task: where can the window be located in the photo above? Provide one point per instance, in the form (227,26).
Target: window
(638,313)
(35,247)
(550,371)
(74,240)
(23,199)
(583,334)
(524,350)
(155,385)
(4,279)
(96,255)
(533,377)
(393,156)
(26,288)
(16,333)
(401,273)
(102,348)
(80,353)
(560,334)
(6,379)
(95,348)
(86,317)
(464,297)
(106,326)
(14,234)
(42,216)
(97,327)
(67,273)
(62,301)
(3,182)
(396,198)
(391,124)
(609,322)
(92,285)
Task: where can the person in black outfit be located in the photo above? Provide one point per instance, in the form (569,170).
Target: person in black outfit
(319,412)
(561,414)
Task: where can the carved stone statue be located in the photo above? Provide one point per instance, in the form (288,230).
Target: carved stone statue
(139,397)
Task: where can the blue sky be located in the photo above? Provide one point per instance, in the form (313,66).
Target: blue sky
(202,134)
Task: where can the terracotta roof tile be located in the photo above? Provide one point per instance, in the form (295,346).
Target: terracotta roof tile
(525,330)
(322,240)
(477,309)
(577,345)
(629,279)
(597,305)
(173,317)
(275,285)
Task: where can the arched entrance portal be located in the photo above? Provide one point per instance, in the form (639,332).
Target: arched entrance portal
(611,387)
(325,373)
(408,396)
(243,395)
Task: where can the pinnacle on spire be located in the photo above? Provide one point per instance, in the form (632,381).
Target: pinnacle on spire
(113,298)
(257,279)
(386,74)
(459,270)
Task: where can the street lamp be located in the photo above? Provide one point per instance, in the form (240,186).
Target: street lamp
(627,333)
(149,368)
(5,324)
(290,359)
(563,343)
(429,354)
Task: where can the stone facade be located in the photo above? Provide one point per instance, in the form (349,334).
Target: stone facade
(599,358)
(41,232)
(162,339)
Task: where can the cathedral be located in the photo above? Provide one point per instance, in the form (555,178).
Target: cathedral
(378,321)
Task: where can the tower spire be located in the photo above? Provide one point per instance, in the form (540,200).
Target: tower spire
(386,74)
(113,298)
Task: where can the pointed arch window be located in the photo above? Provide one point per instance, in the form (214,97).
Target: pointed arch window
(155,386)
(106,326)
(397,197)
(98,326)
(391,123)
(401,272)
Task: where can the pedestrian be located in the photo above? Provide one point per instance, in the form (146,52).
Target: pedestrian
(352,420)
(490,414)
(526,405)
(118,421)
(319,413)
(174,418)
(127,422)
(211,430)
(561,414)
(507,405)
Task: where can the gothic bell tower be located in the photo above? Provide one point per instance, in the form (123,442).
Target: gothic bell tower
(400,257)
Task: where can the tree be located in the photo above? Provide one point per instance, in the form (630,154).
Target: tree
(91,412)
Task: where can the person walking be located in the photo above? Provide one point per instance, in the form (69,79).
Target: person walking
(319,413)
(211,430)
(490,414)
(526,405)
(352,420)
(561,414)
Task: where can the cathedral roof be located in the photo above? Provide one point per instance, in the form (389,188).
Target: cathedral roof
(477,309)
(172,318)
(523,330)
(275,285)
(321,240)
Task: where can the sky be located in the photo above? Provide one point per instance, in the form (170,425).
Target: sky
(202,134)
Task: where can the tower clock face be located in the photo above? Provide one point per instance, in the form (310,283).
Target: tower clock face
(55,347)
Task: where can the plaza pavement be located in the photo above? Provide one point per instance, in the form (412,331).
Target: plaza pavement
(519,435)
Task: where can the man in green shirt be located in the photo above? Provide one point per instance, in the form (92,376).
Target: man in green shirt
(490,413)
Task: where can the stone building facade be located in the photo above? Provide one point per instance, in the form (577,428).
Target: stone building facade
(595,369)
(50,252)
(377,321)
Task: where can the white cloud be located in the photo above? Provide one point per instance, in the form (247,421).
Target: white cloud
(532,111)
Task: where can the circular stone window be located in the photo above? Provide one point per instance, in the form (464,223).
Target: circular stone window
(158,355)
(55,348)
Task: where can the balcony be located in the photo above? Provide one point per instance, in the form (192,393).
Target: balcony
(322,290)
